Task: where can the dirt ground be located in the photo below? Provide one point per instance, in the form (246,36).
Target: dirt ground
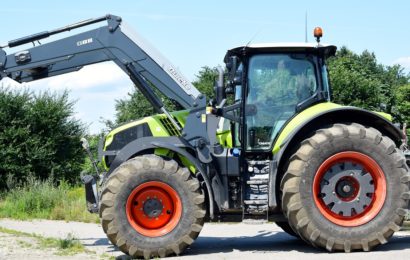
(216,241)
(14,246)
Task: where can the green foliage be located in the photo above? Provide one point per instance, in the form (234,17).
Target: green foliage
(402,95)
(205,80)
(44,200)
(38,136)
(93,141)
(136,105)
(66,246)
(359,80)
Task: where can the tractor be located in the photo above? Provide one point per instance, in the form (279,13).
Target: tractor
(271,146)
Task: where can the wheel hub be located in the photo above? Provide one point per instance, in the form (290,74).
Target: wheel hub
(153,208)
(349,188)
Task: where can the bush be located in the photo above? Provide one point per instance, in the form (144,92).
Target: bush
(38,199)
(38,136)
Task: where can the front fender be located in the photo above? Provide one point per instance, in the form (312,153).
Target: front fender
(172,143)
(145,143)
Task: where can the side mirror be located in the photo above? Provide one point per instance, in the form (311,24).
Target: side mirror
(232,66)
(234,81)
(219,86)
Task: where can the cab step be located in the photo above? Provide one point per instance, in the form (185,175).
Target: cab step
(255,202)
(257,181)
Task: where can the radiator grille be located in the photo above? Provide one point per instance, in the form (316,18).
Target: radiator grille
(170,127)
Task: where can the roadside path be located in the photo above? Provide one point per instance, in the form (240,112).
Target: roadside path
(216,241)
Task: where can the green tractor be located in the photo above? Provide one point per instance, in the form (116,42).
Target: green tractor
(270,147)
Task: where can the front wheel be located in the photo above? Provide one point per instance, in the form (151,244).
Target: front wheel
(346,188)
(152,207)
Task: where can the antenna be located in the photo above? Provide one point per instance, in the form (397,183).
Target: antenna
(306,34)
(253,37)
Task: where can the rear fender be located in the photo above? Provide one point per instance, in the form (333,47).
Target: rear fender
(325,119)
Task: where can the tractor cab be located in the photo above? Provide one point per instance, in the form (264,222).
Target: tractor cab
(272,83)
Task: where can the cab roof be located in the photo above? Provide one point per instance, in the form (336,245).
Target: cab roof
(325,49)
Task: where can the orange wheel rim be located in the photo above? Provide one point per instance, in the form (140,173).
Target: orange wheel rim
(154,209)
(349,189)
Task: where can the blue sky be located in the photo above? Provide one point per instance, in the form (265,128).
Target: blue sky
(193,34)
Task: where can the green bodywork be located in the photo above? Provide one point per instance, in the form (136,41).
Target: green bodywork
(155,125)
(305,116)
(224,136)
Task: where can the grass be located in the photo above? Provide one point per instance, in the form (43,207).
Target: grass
(66,246)
(43,200)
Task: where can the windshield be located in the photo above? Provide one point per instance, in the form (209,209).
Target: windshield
(276,84)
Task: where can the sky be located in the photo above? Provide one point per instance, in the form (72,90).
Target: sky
(193,34)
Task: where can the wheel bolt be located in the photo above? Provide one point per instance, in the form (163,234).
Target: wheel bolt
(346,188)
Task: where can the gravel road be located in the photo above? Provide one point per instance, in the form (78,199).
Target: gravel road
(216,241)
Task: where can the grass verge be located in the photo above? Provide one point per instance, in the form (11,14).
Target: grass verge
(43,200)
(66,246)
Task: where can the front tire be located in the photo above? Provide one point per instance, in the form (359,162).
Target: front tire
(346,188)
(152,207)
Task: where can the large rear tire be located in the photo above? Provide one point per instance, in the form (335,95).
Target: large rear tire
(152,207)
(346,188)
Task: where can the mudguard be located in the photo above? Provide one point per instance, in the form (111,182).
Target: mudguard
(172,143)
(292,135)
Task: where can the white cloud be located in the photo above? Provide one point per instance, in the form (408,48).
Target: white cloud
(403,61)
(88,77)
(94,88)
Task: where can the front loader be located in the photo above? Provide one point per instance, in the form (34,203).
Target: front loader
(271,146)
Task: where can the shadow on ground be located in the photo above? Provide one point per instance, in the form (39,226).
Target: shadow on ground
(263,242)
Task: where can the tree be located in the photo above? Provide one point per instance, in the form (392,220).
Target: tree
(359,80)
(39,137)
(402,95)
(137,106)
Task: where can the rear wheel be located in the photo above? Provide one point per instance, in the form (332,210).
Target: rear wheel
(346,188)
(151,207)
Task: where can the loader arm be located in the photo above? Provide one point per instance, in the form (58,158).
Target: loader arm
(115,42)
